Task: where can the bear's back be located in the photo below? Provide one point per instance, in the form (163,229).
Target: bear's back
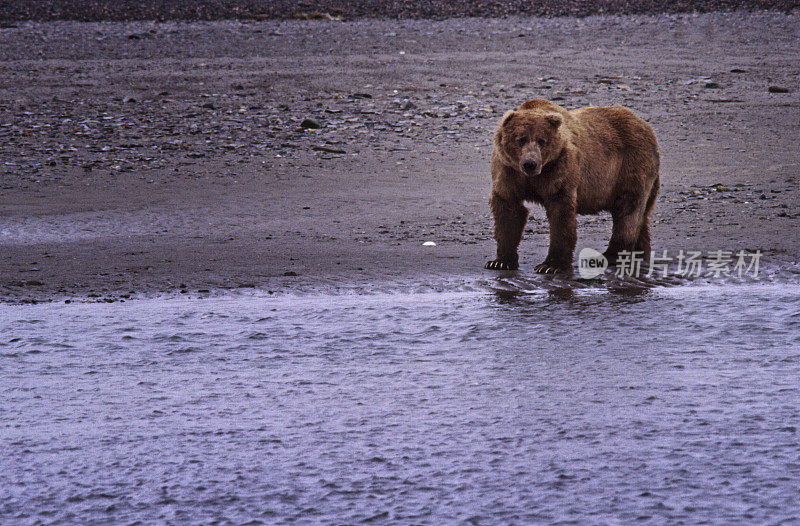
(617,126)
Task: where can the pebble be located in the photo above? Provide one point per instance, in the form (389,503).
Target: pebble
(309,123)
(328,11)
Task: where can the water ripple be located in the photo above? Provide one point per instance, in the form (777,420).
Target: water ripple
(510,399)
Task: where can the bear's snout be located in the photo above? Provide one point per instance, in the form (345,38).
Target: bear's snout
(530,160)
(530,167)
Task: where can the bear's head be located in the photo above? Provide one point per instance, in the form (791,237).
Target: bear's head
(528,140)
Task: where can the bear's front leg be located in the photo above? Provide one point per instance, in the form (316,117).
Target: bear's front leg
(509,222)
(563,237)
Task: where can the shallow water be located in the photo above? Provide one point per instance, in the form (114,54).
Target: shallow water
(504,402)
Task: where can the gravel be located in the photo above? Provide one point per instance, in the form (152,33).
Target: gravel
(94,10)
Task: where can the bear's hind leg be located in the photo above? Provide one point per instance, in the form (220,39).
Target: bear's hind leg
(625,233)
(643,241)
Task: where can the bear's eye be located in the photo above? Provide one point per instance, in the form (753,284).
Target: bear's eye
(522,141)
(541,142)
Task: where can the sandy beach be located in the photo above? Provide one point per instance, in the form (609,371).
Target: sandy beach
(167,157)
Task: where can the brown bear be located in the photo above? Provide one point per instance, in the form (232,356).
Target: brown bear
(572,162)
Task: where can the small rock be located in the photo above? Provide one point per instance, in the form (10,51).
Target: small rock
(711,85)
(316,15)
(290,273)
(309,123)
(429,244)
(129,100)
(327,149)
(777,89)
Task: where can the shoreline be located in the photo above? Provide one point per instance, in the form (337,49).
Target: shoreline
(144,156)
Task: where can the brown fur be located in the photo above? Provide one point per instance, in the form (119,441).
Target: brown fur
(581,161)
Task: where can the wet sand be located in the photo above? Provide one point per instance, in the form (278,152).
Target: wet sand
(143,158)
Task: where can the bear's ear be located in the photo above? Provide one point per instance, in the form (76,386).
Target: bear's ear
(554,119)
(507,118)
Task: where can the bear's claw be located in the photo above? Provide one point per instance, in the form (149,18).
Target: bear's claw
(546,268)
(500,265)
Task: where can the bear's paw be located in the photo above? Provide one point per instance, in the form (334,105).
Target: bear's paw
(496,264)
(547,268)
